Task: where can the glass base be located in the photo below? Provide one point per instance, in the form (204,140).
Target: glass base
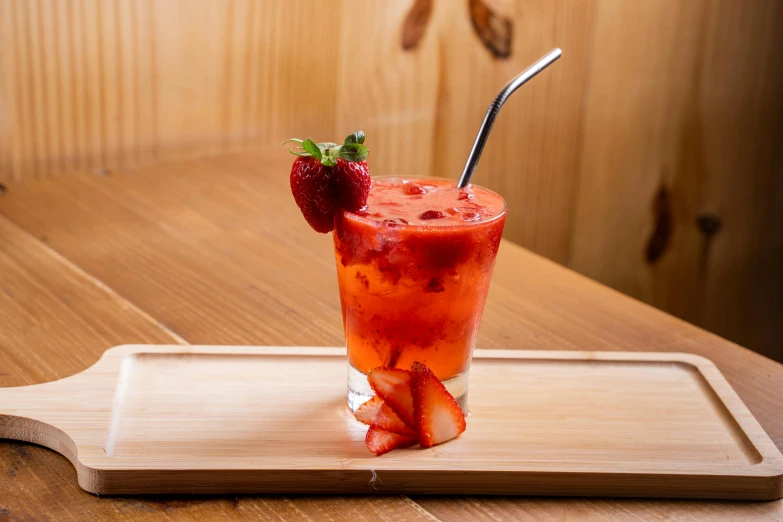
(359,390)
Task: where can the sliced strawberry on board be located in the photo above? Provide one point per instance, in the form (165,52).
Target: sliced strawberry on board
(380,442)
(438,416)
(377,414)
(394,387)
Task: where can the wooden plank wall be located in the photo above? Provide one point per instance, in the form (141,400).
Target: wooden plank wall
(680,199)
(112,83)
(648,158)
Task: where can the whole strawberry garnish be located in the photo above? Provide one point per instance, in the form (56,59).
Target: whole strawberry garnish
(327,177)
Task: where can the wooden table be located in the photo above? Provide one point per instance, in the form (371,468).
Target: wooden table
(214,251)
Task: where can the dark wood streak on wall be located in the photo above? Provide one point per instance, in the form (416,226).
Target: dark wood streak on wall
(708,225)
(662,231)
(415,23)
(495,31)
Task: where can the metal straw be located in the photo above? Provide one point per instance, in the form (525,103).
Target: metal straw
(500,99)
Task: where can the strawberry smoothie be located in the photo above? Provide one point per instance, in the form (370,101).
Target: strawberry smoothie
(414,266)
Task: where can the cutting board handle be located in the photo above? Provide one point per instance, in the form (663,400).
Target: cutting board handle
(28,401)
(39,413)
(42,413)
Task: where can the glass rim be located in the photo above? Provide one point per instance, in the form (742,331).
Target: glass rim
(488,221)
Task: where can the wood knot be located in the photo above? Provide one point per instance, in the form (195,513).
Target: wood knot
(662,230)
(708,224)
(494,31)
(415,24)
(3,189)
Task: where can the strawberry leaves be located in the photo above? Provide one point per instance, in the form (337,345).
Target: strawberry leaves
(353,152)
(356,137)
(311,148)
(353,148)
(328,153)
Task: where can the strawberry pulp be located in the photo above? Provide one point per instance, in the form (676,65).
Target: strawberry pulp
(414,268)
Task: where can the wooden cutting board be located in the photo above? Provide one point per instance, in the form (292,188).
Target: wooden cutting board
(222,419)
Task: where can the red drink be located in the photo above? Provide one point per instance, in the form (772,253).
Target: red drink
(414,270)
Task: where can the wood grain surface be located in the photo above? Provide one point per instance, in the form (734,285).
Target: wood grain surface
(625,424)
(226,246)
(681,180)
(56,321)
(107,84)
(647,158)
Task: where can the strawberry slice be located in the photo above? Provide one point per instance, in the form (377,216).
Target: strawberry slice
(377,414)
(380,442)
(394,387)
(438,416)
